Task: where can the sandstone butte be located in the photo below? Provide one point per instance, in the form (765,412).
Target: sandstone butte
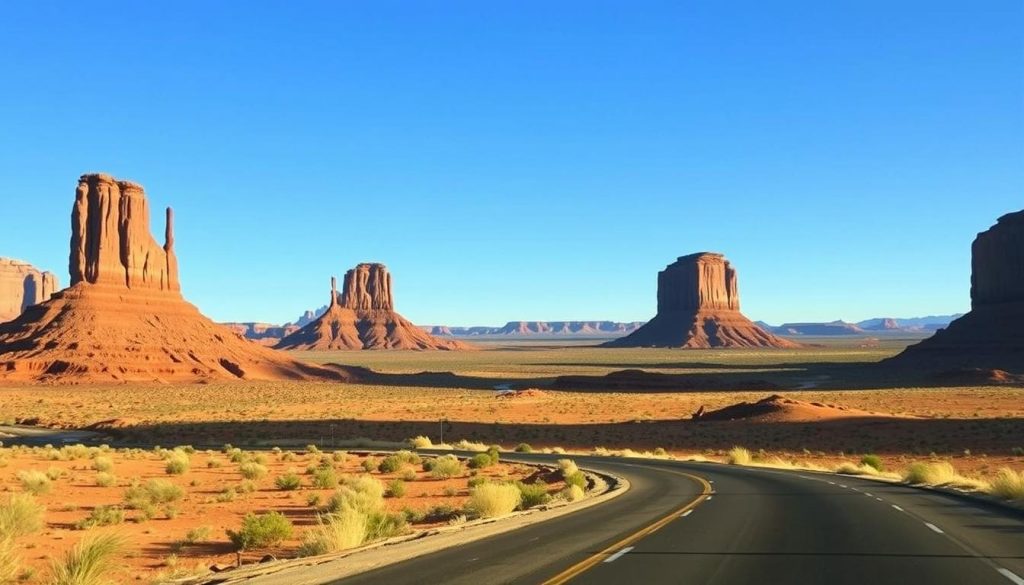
(21,286)
(991,335)
(363,316)
(699,308)
(123,317)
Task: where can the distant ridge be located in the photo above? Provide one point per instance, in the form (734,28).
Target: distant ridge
(541,328)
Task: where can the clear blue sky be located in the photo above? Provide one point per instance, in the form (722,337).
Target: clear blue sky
(527,160)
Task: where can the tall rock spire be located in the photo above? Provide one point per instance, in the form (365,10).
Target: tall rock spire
(368,288)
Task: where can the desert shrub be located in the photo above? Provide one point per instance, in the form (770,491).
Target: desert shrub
(246,486)
(288,482)
(738,456)
(409,457)
(395,489)
(428,463)
(445,467)
(494,499)
(480,461)
(153,492)
(1008,484)
(578,479)
(214,463)
(104,479)
(101,516)
(660,452)
(567,467)
(344,529)
(370,464)
(236,455)
(572,493)
(325,478)
(177,464)
(34,482)
(339,456)
(261,531)
(9,561)
(312,449)
(475,481)
(20,515)
(102,463)
(465,445)
(420,442)
(89,562)
(252,470)
(54,473)
(197,535)
(382,525)
(390,464)
(524,448)
(228,494)
(533,494)
(409,474)
(872,461)
(940,473)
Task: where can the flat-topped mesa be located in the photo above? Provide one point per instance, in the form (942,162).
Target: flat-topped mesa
(698,308)
(21,286)
(997,263)
(697,282)
(111,243)
(367,287)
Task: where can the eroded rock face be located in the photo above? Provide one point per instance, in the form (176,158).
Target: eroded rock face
(363,317)
(368,287)
(21,286)
(123,317)
(991,334)
(699,307)
(111,242)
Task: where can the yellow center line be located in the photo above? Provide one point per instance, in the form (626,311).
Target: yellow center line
(589,562)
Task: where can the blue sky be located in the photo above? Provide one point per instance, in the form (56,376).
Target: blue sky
(527,160)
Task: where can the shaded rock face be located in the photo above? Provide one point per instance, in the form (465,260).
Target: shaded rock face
(123,317)
(21,286)
(368,288)
(991,334)
(699,307)
(363,317)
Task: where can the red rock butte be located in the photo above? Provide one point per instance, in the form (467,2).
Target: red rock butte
(123,317)
(363,317)
(991,334)
(21,286)
(699,308)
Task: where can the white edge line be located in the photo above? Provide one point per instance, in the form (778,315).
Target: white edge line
(934,527)
(897,507)
(616,556)
(1011,576)
(686,513)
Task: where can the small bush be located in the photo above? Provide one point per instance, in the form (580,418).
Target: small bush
(325,478)
(252,470)
(313,500)
(344,529)
(395,489)
(229,494)
(103,464)
(533,494)
(261,531)
(421,442)
(153,492)
(288,482)
(1008,484)
(572,493)
(9,561)
(370,464)
(872,461)
(567,467)
(481,461)
(940,473)
(54,473)
(409,474)
(494,499)
(390,464)
(101,516)
(104,479)
(578,479)
(445,467)
(524,448)
(89,562)
(738,456)
(34,482)
(20,515)
(197,535)
(177,464)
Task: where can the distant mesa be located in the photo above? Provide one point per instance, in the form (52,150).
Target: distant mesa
(991,335)
(21,286)
(540,329)
(262,333)
(815,329)
(123,317)
(363,316)
(699,307)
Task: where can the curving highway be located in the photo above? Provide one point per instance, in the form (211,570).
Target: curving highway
(704,523)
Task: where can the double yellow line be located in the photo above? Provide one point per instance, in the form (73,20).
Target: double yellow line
(589,562)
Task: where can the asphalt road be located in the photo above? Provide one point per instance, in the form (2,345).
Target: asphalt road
(757,526)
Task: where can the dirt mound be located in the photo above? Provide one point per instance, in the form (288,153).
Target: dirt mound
(123,317)
(699,308)
(634,380)
(364,318)
(991,335)
(777,408)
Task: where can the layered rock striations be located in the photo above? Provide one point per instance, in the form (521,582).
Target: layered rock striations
(123,317)
(699,307)
(363,317)
(21,286)
(991,334)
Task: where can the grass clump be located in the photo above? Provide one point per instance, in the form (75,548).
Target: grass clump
(344,529)
(9,561)
(325,478)
(481,461)
(177,464)
(253,470)
(101,516)
(154,492)
(421,442)
(89,562)
(524,448)
(572,493)
(103,464)
(34,482)
(533,494)
(197,535)
(872,461)
(288,482)
(1008,484)
(940,473)
(446,466)
(261,531)
(105,479)
(491,500)
(395,489)
(20,515)
(738,456)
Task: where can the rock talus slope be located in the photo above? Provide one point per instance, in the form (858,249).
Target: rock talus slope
(123,317)
(699,307)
